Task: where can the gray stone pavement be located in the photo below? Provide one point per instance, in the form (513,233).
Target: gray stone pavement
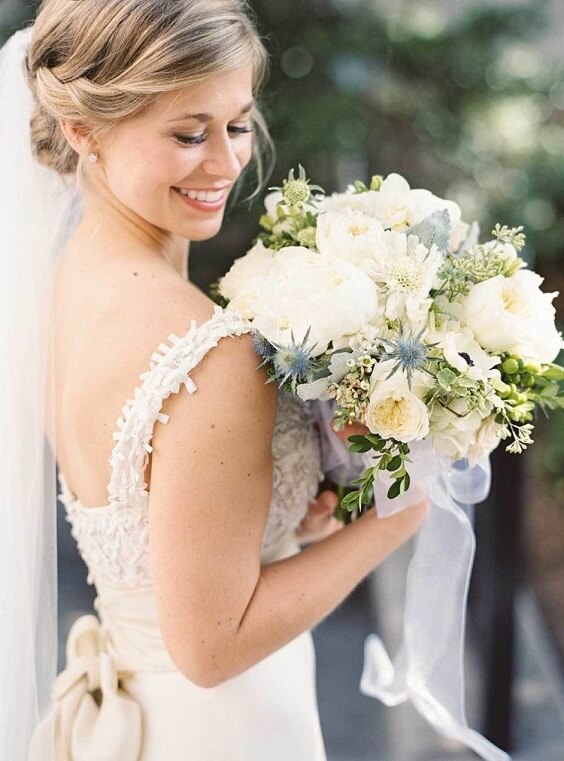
(359,728)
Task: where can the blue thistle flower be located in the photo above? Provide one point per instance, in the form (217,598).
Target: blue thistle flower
(293,362)
(262,346)
(410,353)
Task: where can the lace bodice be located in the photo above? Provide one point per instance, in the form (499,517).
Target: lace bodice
(113,539)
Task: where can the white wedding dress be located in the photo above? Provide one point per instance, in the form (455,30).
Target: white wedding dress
(120,696)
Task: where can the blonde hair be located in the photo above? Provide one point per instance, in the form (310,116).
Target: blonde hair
(99,62)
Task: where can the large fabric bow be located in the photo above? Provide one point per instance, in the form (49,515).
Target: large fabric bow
(92,718)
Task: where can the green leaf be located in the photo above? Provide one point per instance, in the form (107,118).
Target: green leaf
(394,490)
(445,378)
(553,372)
(394,464)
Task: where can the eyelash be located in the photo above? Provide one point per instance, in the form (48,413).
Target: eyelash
(198,139)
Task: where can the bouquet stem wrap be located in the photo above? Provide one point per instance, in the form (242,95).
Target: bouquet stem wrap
(428,666)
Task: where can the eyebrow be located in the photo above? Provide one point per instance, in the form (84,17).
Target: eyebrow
(208,117)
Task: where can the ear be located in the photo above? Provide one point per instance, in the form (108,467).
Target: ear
(77,134)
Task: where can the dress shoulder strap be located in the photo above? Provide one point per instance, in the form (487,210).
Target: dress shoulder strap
(169,369)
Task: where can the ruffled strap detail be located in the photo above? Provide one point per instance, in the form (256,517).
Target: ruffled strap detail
(169,368)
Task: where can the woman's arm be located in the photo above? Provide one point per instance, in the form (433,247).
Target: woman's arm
(219,610)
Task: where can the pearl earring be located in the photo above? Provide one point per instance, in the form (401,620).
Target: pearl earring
(92,157)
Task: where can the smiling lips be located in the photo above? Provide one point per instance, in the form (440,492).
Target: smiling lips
(207,200)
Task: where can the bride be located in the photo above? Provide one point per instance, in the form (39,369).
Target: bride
(192,506)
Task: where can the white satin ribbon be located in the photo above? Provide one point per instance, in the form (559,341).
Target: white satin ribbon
(428,666)
(92,717)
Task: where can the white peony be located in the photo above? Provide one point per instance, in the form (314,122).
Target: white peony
(254,264)
(395,411)
(512,314)
(349,234)
(303,289)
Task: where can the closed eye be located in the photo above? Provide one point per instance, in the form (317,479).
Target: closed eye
(198,139)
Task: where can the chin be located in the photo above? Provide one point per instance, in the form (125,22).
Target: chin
(203,230)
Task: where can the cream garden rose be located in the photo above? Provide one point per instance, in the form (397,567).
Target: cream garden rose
(395,411)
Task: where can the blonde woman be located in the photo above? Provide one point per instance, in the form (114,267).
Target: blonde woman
(191,486)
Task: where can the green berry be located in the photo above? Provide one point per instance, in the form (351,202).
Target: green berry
(510,366)
(532,366)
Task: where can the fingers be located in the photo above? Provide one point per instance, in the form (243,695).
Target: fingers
(319,521)
(352,429)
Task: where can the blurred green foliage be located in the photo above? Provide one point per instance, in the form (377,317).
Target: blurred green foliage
(462,102)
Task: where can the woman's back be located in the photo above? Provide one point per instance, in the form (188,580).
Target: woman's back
(110,313)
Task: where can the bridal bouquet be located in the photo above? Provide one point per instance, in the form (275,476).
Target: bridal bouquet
(382,299)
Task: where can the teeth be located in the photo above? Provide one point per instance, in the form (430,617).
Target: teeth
(209,196)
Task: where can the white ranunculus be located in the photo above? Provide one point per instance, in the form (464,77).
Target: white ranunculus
(349,234)
(397,206)
(395,411)
(303,289)
(512,314)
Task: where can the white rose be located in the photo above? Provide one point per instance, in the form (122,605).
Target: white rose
(513,315)
(349,234)
(303,289)
(393,410)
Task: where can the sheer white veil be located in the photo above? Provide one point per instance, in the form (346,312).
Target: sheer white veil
(38,211)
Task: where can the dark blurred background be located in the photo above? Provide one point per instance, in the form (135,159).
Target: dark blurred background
(466,99)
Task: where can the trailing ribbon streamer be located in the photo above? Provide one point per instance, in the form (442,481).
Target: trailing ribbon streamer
(428,666)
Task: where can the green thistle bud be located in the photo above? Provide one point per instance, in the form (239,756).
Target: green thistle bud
(510,366)
(376,182)
(296,192)
(307,237)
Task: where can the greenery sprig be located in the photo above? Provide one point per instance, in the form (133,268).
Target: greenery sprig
(391,457)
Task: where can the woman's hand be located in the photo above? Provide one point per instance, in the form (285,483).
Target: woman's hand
(319,521)
(352,429)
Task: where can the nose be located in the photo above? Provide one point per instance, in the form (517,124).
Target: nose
(222,158)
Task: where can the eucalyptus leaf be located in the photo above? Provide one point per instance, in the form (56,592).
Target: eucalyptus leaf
(435,229)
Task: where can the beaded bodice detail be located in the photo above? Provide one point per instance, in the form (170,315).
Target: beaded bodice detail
(113,539)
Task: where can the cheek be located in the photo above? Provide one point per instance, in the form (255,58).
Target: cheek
(141,172)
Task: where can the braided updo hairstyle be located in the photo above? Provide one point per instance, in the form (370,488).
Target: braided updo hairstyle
(99,62)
